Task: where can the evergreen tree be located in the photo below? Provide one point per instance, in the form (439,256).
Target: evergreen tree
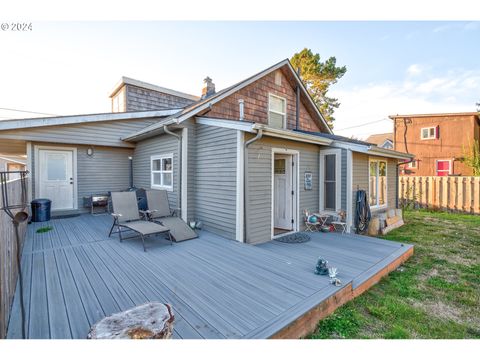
(317,77)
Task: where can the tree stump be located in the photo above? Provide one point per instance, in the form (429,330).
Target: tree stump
(148,321)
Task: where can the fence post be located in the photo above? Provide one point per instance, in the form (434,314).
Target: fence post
(476,195)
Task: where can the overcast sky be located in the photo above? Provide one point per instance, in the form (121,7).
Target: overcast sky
(392,67)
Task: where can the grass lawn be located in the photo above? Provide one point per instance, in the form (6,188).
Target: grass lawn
(435,294)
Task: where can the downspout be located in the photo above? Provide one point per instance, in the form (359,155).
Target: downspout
(396,182)
(245,180)
(179,183)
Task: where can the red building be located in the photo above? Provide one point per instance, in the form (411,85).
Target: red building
(438,141)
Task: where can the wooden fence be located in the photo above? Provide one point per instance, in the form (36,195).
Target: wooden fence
(8,255)
(451,193)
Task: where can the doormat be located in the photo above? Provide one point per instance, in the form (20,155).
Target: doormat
(65,216)
(297,237)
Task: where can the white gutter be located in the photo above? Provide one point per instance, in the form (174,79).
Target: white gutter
(371,150)
(292,135)
(179,180)
(138,135)
(81,119)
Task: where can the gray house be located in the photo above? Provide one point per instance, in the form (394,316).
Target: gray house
(247,161)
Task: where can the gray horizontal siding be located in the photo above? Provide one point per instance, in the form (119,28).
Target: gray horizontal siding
(139,99)
(191,169)
(107,170)
(214,198)
(158,145)
(359,178)
(259,184)
(106,133)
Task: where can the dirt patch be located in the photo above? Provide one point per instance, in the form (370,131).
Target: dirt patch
(440,309)
(427,275)
(457,259)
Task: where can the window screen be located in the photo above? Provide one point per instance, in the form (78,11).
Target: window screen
(330,182)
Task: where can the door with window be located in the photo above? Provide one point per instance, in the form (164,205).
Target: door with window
(444,167)
(282,202)
(55,178)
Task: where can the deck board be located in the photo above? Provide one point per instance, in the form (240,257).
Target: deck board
(75,275)
(77,315)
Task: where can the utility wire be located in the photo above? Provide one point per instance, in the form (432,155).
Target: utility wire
(367,123)
(27,111)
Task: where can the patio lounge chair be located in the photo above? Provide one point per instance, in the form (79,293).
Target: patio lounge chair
(126,215)
(159,212)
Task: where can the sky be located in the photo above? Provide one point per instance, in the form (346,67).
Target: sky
(66,68)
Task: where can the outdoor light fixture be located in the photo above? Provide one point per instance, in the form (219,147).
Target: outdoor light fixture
(90,151)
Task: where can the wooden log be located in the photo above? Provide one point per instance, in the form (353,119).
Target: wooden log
(148,321)
(392,220)
(389,228)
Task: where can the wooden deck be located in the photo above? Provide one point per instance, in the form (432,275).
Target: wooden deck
(75,275)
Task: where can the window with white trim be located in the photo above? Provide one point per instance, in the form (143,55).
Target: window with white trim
(412,164)
(428,133)
(277,113)
(330,180)
(162,171)
(377,183)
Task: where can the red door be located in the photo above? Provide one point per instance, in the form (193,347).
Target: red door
(443,167)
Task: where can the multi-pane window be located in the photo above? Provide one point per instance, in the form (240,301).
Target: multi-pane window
(412,164)
(429,133)
(162,171)
(377,183)
(277,111)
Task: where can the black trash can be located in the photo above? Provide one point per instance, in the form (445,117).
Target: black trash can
(41,210)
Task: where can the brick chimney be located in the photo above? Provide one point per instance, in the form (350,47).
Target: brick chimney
(208,88)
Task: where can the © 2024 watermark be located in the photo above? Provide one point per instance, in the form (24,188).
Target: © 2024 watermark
(16,26)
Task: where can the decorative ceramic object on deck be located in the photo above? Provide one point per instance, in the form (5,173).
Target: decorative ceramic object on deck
(332,273)
(321,268)
(312,219)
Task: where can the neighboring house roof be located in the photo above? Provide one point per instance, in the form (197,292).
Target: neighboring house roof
(360,146)
(380,139)
(204,104)
(77,119)
(336,137)
(129,81)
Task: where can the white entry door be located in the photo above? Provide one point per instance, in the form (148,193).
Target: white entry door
(55,178)
(282,202)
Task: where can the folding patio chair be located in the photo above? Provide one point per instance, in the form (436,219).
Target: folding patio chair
(159,212)
(126,215)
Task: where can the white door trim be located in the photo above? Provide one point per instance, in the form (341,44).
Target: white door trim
(37,149)
(30,174)
(295,185)
(184,172)
(240,187)
(338,178)
(349,194)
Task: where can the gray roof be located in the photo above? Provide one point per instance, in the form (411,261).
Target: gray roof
(202,104)
(336,137)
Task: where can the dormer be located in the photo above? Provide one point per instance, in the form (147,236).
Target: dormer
(135,95)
